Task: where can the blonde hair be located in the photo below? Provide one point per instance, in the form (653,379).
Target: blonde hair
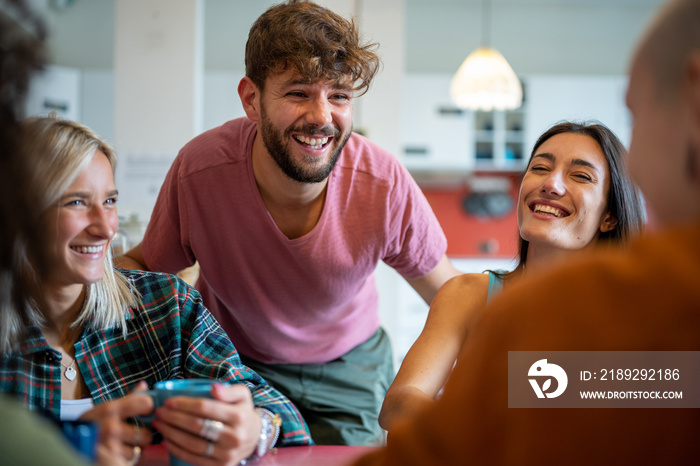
(58,151)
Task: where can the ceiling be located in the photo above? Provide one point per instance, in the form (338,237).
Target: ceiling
(536,36)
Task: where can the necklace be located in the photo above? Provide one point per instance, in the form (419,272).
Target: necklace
(70,373)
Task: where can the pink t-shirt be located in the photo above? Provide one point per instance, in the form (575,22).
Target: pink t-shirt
(299,301)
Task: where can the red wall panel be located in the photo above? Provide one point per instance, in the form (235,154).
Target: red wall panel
(470,235)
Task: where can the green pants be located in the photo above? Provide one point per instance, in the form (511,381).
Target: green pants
(340,400)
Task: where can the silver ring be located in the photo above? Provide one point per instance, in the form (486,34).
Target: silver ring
(137,455)
(137,434)
(209,451)
(211,430)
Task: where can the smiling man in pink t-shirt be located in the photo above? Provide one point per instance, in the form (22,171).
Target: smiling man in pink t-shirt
(288,213)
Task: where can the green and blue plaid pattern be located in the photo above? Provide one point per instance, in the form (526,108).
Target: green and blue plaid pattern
(170,336)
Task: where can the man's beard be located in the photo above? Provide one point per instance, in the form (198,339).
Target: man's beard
(281,154)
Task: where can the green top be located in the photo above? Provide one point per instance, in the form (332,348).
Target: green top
(27,439)
(495,285)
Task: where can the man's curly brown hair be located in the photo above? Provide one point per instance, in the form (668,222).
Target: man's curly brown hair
(312,40)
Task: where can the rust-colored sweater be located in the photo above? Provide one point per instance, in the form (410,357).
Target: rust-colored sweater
(644,299)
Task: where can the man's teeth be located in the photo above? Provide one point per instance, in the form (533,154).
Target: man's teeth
(87,249)
(313,142)
(545,209)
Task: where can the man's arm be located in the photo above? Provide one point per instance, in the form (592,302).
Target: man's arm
(428,285)
(132,260)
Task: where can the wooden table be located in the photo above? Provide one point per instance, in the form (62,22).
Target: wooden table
(319,455)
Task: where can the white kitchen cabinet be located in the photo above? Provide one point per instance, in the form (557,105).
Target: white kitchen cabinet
(436,136)
(56,89)
(555,98)
(499,140)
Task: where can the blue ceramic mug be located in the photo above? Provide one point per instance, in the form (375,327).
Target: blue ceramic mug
(83,436)
(166,389)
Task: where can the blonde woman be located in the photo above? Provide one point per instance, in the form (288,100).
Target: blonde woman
(91,332)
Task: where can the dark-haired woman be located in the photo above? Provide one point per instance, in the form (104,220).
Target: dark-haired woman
(575,195)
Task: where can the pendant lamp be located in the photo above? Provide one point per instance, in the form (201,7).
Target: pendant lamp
(485,80)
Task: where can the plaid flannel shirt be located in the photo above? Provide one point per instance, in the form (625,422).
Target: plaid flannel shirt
(170,336)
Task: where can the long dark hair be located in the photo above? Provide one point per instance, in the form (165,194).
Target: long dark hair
(623,201)
(22,54)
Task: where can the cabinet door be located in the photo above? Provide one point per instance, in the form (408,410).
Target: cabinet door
(555,98)
(435,135)
(56,89)
(499,140)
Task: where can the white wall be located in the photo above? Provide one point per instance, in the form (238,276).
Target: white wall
(97,107)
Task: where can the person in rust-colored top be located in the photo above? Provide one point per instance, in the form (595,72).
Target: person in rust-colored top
(644,299)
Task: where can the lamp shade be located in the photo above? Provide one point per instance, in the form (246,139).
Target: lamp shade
(485,81)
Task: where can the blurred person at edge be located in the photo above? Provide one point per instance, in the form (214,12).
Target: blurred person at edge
(575,196)
(288,213)
(643,298)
